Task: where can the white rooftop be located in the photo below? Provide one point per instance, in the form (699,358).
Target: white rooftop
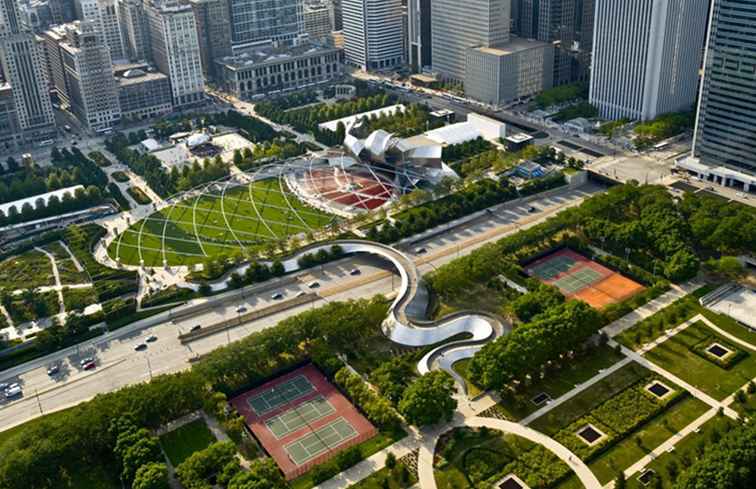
(349,121)
(18,204)
(476,126)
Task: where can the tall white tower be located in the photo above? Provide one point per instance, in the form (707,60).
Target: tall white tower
(646,56)
(23,62)
(373,33)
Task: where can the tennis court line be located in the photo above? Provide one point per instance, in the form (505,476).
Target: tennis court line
(280,395)
(299,416)
(319,441)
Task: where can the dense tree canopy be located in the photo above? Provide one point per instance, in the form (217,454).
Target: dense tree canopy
(527,348)
(728,464)
(428,399)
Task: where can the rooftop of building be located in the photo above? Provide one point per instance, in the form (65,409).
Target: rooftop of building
(515,45)
(135,73)
(267,54)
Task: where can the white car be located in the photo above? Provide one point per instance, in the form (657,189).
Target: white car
(301,293)
(13,391)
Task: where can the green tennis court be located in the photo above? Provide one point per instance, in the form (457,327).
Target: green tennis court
(300,416)
(281,394)
(318,442)
(578,280)
(550,269)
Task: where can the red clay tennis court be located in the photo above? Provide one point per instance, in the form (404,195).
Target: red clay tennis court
(580,278)
(301,420)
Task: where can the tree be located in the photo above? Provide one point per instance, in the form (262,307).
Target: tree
(390,461)
(144,450)
(428,400)
(620,482)
(151,476)
(728,267)
(683,265)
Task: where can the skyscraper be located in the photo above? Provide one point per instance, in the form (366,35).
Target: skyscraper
(459,25)
(88,70)
(419,33)
(213,31)
(263,21)
(373,33)
(105,16)
(134,27)
(175,49)
(566,22)
(646,56)
(23,62)
(726,125)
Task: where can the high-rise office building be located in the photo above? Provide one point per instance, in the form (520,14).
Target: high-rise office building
(10,131)
(22,58)
(457,26)
(135,30)
(724,145)
(568,23)
(263,21)
(88,71)
(373,33)
(111,28)
(646,56)
(318,18)
(53,38)
(175,49)
(105,16)
(419,34)
(213,31)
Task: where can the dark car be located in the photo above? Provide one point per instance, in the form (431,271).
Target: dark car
(195,328)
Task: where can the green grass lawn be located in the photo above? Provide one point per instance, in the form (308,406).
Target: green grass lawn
(196,227)
(78,299)
(386,479)
(746,409)
(568,411)
(461,368)
(181,443)
(652,434)
(668,465)
(559,381)
(119,176)
(139,196)
(26,271)
(677,357)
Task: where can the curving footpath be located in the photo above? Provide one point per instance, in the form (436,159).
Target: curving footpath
(425,458)
(405,323)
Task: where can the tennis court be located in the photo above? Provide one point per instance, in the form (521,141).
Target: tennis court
(280,395)
(317,442)
(578,277)
(299,416)
(301,420)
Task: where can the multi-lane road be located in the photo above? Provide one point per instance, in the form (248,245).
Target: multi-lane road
(118,364)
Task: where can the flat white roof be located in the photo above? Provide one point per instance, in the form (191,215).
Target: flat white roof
(739,304)
(455,133)
(348,121)
(18,204)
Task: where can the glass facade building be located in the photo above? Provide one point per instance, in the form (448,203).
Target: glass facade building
(726,126)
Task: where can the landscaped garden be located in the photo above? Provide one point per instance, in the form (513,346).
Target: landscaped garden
(470,458)
(690,356)
(26,271)
(619,419)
